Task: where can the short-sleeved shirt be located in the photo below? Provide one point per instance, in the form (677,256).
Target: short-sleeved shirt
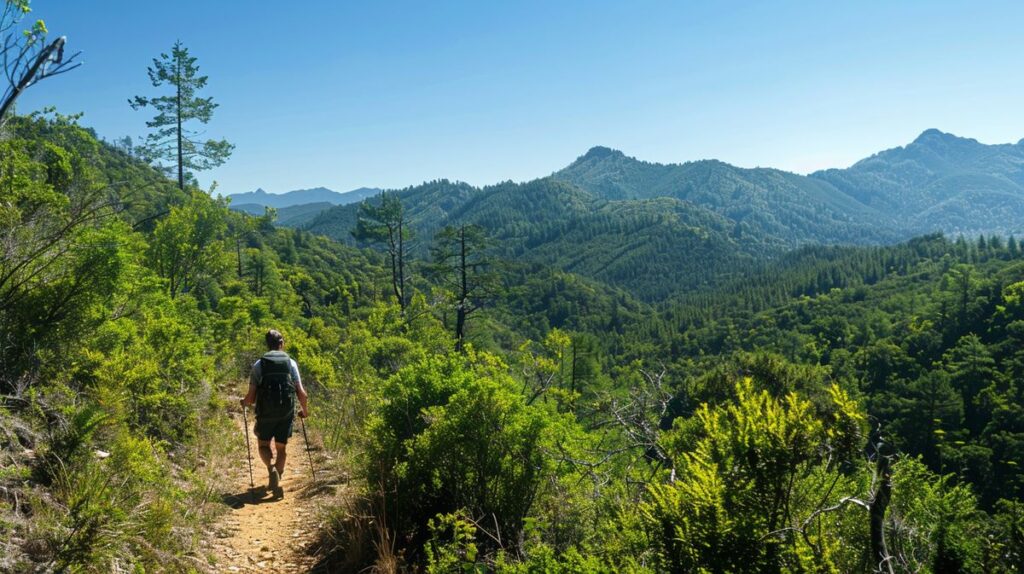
(257,372)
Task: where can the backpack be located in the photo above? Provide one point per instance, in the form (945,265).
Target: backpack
(275,394)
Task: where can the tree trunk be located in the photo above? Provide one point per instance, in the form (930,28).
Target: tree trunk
(879,553)
(181,155)
(572,374)
(401,264)
(460,320)
(238,253)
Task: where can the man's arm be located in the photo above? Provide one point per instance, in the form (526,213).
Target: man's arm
(300,391)
(254,376)
(250,397)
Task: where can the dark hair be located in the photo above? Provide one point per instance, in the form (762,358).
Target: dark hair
(275,340)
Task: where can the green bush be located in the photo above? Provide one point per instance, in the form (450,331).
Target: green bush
(453,436)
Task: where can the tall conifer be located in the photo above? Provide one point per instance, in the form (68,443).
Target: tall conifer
(172,140)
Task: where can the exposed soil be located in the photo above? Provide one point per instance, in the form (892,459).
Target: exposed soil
(264,532)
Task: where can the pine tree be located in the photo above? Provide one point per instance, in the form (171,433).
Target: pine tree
(461,262)
(172,140)
(385,222)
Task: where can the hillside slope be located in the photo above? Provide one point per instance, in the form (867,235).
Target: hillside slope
(649,247)
(787,207)
(941,182)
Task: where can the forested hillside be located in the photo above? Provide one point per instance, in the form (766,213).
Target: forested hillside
(650,247)
(653,229)
(941,182)
(291,216)
(927,332)
(755,426)
(769,204)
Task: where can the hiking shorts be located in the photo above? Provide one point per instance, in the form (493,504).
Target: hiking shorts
(280,430)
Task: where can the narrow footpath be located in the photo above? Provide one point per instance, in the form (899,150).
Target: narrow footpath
(261,532)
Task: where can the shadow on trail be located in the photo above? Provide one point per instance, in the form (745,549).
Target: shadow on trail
(251,497)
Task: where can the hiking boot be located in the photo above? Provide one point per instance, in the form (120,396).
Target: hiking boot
(275,478)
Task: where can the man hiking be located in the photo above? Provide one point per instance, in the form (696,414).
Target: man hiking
(274,383)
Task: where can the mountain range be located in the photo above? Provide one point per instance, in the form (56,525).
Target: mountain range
(655,228)
(940,182)
(300,197)
(299,207)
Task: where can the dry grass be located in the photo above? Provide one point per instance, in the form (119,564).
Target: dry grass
(354,538)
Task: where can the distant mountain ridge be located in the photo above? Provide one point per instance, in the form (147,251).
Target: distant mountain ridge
(941,182)
(291,216)
(653,228)
(791,208)
(301,197)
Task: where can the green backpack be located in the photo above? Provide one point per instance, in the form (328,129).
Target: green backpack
(275,394)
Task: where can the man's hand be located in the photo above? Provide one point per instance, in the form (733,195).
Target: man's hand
(243,403)
(303,413)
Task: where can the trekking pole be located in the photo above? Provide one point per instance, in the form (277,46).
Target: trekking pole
(308,453)
(248,448)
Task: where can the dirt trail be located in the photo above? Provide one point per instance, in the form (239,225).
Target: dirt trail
(261,532)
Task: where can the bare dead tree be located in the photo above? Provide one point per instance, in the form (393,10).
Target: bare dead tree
(461,262)
(29,57)
(879,504)
(876,504)
(639,416)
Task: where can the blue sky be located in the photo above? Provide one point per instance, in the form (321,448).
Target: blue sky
(389,94)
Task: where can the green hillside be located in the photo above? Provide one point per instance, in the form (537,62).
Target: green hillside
(927,332)
(291,216)
(786,207)
(648,247)
(595,433)
(656,229)
(941,182)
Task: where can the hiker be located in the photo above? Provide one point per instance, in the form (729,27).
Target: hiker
(274,383)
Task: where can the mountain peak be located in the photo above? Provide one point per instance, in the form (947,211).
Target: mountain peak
(600,152)
(933,135)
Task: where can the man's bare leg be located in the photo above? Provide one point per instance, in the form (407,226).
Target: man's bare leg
(265,453)
(282,456)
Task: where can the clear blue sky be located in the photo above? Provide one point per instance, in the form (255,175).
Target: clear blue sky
(389,94)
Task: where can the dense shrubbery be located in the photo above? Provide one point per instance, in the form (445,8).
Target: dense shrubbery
(126,313)
(736,429)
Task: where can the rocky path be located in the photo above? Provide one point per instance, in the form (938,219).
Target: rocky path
(263,532)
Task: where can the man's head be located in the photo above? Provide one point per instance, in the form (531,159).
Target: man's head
(275,340)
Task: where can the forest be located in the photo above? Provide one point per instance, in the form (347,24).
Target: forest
(679,393)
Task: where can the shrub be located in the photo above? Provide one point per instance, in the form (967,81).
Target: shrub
(455,437)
